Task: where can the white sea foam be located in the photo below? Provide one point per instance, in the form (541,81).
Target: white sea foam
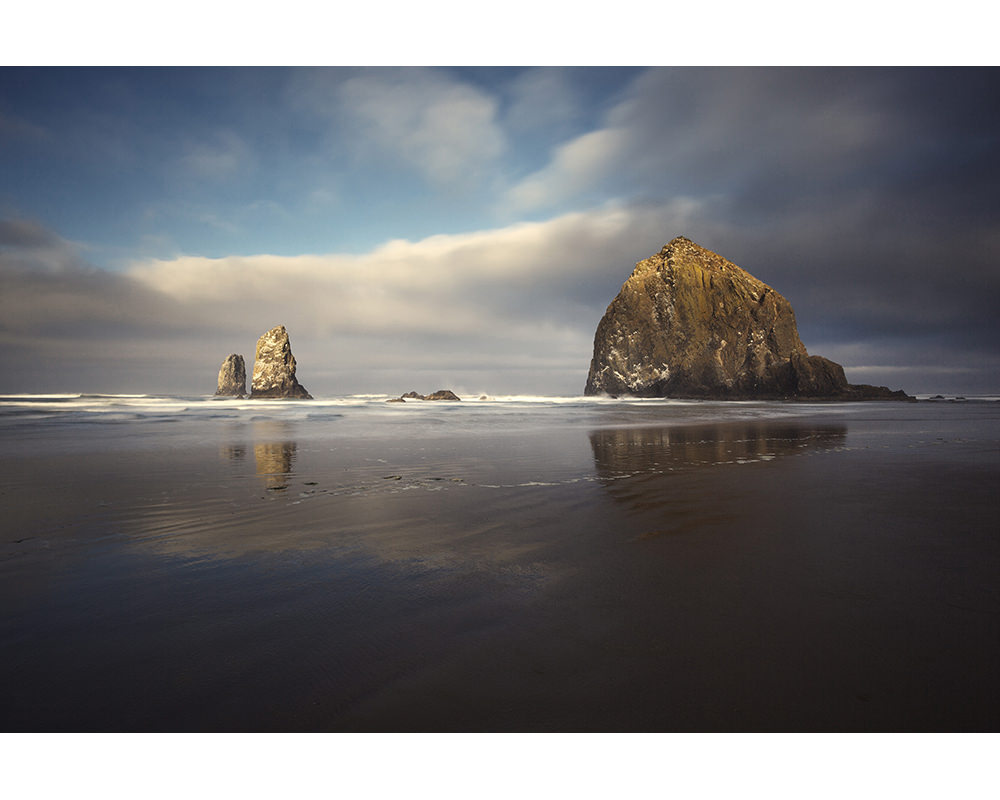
(369,415)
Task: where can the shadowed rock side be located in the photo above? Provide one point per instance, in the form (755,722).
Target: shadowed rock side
(232,377)
(274,368)
(689,323)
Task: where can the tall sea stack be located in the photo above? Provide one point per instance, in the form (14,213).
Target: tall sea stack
(688,323)
(274,368)
(232,377)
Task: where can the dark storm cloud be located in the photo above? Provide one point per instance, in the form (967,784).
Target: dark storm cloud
(68,325)
(48,288)
(28,248)
(804,132)
(25,234)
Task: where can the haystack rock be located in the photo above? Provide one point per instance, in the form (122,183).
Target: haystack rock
(689,323)
(232,377)
(274,368)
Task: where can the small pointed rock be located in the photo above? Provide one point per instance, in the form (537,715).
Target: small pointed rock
(274,368)
(232,377)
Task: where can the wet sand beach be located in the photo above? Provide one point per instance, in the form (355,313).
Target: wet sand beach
(502,567)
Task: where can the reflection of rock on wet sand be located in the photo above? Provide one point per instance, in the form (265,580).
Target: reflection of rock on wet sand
(274,458)
(654,459)
(626,451)
(274,462)
(233,452)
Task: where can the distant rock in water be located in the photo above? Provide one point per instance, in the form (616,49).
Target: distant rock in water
(688,323)
(232,377)
(440,394)
(274,368)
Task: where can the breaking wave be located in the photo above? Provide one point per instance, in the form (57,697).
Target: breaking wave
(369,415)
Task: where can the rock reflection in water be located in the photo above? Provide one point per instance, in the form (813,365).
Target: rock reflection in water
(233,452)
(667,468)
(628,451)
(275,458)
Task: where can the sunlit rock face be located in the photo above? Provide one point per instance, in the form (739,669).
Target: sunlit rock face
(274,368)
(689,323)
(232,377)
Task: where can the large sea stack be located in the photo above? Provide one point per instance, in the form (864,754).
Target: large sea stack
(232,377)
(690,324)
(274,368)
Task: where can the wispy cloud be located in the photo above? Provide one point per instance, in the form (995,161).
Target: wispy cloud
(697,131)
(542,99)
(26,234)
(15,127)
(444,129)
(215,221)
(27,246)
(223,154)
(577,167)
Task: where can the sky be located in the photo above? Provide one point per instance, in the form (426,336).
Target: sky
(418,228)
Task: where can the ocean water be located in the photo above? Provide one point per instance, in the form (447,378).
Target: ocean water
(511,563)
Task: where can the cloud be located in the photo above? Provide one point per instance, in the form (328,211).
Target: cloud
(445,285)
(48,289)
(777,134)
(221,155)
(21,234)
(27,247)
(542,99)
(515,305)
(14,127)
(65,324)
(436,125)
(577,167)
